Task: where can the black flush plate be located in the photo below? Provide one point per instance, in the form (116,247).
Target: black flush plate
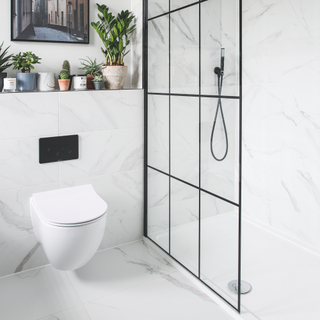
(58,148)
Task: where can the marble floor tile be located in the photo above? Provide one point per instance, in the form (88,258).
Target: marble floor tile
(36,293)
(116,269)
(130,282)
(170,296)
(76,313)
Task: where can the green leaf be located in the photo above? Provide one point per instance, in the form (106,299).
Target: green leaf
(115,31)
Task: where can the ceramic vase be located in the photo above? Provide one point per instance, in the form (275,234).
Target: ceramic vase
(45,81)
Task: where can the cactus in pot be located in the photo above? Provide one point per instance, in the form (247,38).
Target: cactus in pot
(66,66)
(64,80)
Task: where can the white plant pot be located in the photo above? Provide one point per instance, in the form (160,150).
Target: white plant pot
(114,76)
(46,81)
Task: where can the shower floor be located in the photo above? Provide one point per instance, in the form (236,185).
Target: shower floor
(283,275)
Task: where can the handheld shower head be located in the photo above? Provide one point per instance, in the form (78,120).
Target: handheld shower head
(222,60)
(217,70)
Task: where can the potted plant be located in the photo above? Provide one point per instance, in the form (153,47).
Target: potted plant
(4,63)
(98,81)
(64,80)
(91,68)
(66,66)
(26,81)
(115,33)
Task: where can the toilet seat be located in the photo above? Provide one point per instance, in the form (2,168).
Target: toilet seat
(69,207)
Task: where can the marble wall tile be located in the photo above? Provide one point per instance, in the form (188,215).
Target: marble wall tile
(185,51)
(15,211)
(281,119)
(137,42)
(104,152)
(220,29)
(158,132)
(185,139)
(158,208)
(176,4)
(95,111)
(123,228)
(123,193)
(25,115)
(156,7)
(212,206)
(21,254)
(220,177)
(158,54)
(20,166)
(110,125)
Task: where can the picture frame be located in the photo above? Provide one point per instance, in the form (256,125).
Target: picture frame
(63,21)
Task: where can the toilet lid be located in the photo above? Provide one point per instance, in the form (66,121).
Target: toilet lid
(69,206)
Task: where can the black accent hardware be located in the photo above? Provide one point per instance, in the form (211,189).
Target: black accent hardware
(55,149)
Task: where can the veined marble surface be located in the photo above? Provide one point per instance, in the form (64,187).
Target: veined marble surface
(110,127)
(128,282)
(185,51)
(281,150)
(158,55)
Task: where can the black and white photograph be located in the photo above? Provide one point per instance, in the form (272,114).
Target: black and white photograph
(50,20)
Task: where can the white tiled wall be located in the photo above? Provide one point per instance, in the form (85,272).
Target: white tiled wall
(281,146)
(110,128)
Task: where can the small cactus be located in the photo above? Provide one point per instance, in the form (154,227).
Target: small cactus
(66,65)
(64,74)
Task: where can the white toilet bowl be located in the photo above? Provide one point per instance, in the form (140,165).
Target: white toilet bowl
(69,223)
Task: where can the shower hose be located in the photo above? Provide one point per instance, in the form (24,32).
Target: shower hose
(219,107)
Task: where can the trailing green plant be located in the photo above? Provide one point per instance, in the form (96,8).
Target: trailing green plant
(64,74)
(91,67)
(98,78)
(115,33)
(4,58)
(66,66)
(25,61)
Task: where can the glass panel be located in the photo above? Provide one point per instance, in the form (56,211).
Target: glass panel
(158,132)
(157,7)
(185,138)
(158,55)
(185,51)
(220,177)
(219,245)
(185,224)
(158,208)
(175,4)
(220,29)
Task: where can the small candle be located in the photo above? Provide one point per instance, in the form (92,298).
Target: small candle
(9,84)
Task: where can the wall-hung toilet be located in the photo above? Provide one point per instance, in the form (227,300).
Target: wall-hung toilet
(69,223)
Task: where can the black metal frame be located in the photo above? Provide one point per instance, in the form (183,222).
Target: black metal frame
(169,94)
(49,41)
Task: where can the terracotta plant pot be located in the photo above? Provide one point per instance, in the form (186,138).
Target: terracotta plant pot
(114,76)
(90,84)
(64,84)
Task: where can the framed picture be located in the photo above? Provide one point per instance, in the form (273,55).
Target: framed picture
(50,20)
